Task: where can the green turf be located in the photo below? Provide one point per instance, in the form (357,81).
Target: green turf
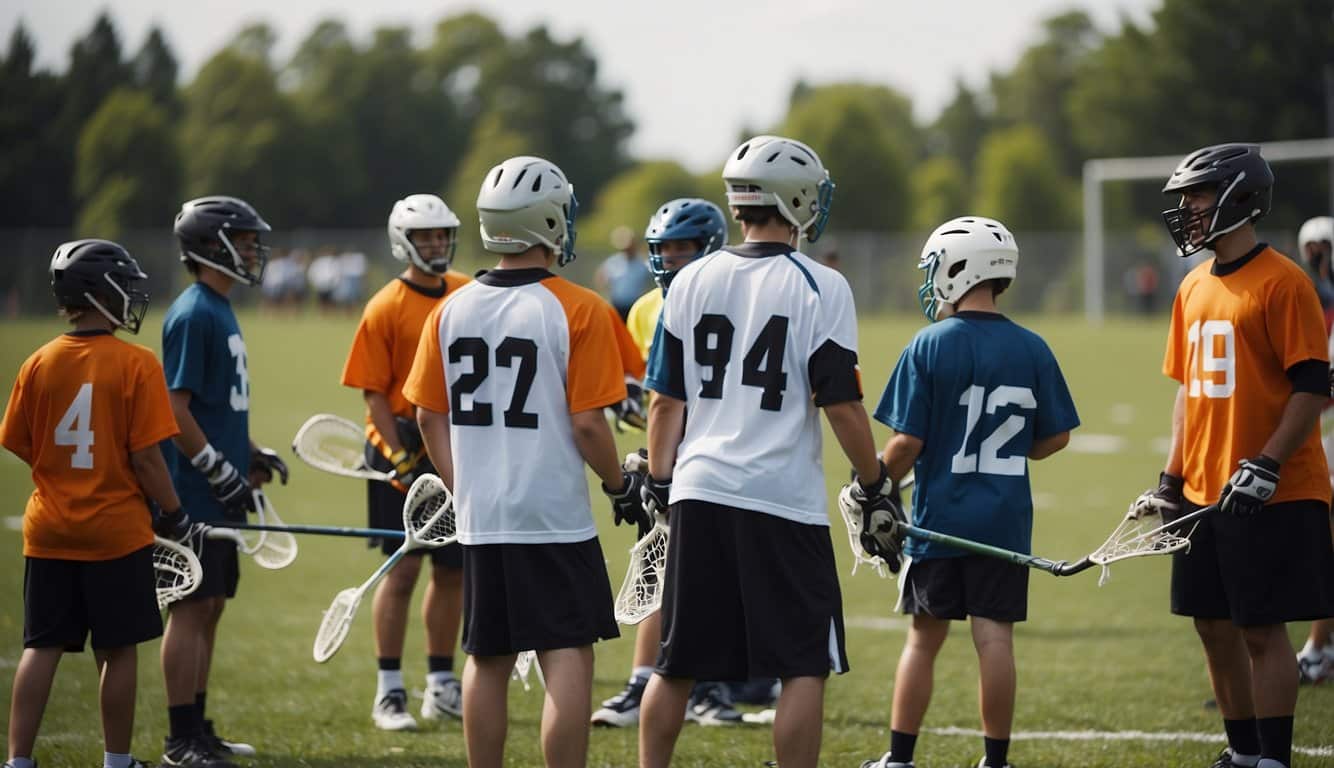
(1089,658)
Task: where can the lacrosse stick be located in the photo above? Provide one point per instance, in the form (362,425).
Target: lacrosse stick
(1146,534)
(428,521)
(318,530)
(525,662)
(176,570)
(641,592)
(852,518)
(273,547)
(335,445)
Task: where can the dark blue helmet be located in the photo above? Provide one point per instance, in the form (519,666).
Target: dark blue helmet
(1245,187)
(686,218)
(100,275)
(202,227)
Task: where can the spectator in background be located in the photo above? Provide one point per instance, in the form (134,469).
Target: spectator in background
(1141,283)
(624,276)
(323,276)
(832,261)
(348,289)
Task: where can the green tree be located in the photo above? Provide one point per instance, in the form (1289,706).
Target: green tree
(853,129)
(632,197)
(154,69)
(1020,182)
(939,192)
(35,163)
(129,172)
(960,128)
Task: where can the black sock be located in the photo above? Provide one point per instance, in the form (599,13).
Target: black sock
(181,720)
(997,751)
(1243,736)
(901,746)
(1276,738)
(390,663)
(200,699)
(439,663)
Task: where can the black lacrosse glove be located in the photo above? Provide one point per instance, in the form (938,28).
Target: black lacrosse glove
(1251,486)
(655,495)
(883,519)
(630,411)
(1165,500)
(265,461)
(627,504)
(229,486)
(409,434)
(172,525)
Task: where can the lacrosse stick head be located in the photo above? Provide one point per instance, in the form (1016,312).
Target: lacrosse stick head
(337,621)
(641,592)
(334,444)
(1140,535)
(176,570)
(276,549)
(852,518)
(428,513)
(524,663)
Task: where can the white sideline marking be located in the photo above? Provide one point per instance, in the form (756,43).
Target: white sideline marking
(14,522)
(1096,443)
(1218,738)
(1122,413)
(879,623)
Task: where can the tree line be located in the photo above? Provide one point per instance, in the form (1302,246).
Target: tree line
(332,135)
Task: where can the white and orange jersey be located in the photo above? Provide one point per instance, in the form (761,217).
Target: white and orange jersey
(1232,340)
(386,341)
(509,357)
(81,405)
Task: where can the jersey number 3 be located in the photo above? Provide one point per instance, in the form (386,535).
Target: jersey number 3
(508,352)
(76,428)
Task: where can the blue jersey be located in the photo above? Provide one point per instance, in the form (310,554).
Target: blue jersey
(203,353)
(978,390)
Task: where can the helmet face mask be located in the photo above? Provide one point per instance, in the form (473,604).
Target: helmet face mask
(203,226)
(684,219)
(100,275)
(1242,184)
(422,212)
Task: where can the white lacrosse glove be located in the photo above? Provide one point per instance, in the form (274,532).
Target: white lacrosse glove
(229,487)
(1251,486)
(1163,501)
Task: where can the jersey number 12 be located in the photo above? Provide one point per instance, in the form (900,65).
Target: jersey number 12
(986,460)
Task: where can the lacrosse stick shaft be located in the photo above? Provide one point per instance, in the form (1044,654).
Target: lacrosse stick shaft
(1058,567)
(318,530)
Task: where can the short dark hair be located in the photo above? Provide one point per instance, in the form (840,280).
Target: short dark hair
(757,214)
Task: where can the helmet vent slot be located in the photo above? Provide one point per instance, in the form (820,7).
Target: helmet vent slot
(522,172)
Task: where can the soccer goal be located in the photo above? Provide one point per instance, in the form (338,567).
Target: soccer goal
(1158,167)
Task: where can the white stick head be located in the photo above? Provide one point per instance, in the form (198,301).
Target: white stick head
(337,621)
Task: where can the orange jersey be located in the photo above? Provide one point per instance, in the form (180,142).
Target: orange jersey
(386,341)
(1232,339)
(81,405)
(626,348)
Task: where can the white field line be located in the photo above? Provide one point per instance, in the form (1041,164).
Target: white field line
(1214,738)
(878,623)
(1095,443)
(14,522)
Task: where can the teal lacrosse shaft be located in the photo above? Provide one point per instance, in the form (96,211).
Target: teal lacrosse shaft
(318,530)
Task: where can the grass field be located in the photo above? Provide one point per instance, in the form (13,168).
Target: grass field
(1090,659)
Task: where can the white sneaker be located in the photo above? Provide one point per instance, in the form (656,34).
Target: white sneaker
(711,704)
(983,763)
(885,762)
(443,699)
(1315,667)
(622,710)
(390,713)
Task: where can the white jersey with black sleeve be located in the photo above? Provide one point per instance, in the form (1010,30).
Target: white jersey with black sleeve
(755,339)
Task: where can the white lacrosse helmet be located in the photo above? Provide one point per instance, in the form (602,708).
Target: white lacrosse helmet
(772,170)
(527,201)
(1315,230)
(421,212)
(960,254)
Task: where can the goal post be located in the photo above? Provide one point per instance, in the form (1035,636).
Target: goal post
(1157,167)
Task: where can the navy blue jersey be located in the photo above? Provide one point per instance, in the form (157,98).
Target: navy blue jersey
(978,390)
(203,353)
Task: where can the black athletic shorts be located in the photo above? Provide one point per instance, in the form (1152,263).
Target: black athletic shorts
(535,597)
(1271,568)
(748,594)
(222,570)
(958,587)
(384,506)
(65,600)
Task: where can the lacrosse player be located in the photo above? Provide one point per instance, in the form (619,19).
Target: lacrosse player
(423,233)
(754,339)
(1247,346)
(973,396)
(214,465)
(87,413)
(510,380)
(678,232)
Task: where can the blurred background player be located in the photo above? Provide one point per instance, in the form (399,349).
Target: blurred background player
(87,413)
(970,377)
(678,232)
(423,233)
(623,275)
(214,464)
(1248,347)
(754,338)
(510,380)
(1315,243)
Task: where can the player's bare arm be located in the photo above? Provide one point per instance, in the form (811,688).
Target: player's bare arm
(150,469)
(1300,416)
(666,427)
(382,416)
(191,440)
(1046,446)
(900,452)
(593,438)
(1174,461)
(852,428)
(434,426)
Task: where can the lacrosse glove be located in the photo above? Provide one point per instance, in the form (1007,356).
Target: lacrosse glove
(172,525)
(655,495)
(1165,500)
(882,519)
(1251,486)
(229,486)
(630,411)
(266,461)
(626,503)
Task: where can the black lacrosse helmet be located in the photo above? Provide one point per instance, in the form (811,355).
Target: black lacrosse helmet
(100,275)
(202,227)
(1245,187)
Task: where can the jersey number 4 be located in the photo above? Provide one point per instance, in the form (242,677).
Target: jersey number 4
(76,428)
(510,350)
(762,366)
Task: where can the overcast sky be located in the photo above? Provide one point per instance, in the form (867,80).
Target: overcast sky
(694,72)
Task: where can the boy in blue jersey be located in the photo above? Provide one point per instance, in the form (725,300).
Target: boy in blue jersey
(204,358)
(971,398)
